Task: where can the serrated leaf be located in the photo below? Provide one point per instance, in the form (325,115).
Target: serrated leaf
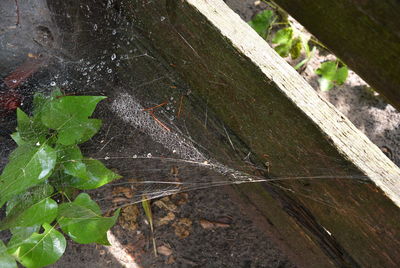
(39,250)
(341,75)
(43,211)
(82,220)
(262,22)
(295,49)
(6,260)
(69,116)
(28,166)
(283,36)
(97,175)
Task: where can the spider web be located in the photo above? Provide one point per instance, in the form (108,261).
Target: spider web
(91,48)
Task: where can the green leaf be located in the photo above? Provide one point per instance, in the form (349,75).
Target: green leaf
(17,138)
(43,211)
(96,176)
(327,70)
(295,49)
(39,250)
(28,166)
(29,129)
(341,75)
(84,212)
(71,159)
(331,74)
(69,116)
(103,240)
(21,206)
(262,22)
(283,39)
(23,233)
(29,197)
(283,36)
(6,260)
(283,50)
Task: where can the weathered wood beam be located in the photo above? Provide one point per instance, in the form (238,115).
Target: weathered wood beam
(281,119)
(364,34)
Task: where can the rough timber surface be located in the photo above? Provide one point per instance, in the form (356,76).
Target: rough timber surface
(277,115)
(364,34)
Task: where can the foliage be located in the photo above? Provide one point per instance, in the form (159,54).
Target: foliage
(291,42)
(48,164)
(262,22)
(286,43)
(331,74)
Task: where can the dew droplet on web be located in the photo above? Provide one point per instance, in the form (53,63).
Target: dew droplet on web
(106,158)
(53,84)
(113,56)
(134,156)
(114,32)
(109,71)
(95,27)
(149,155)
(162,18)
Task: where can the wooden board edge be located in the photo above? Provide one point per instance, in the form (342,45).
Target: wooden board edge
(348,140)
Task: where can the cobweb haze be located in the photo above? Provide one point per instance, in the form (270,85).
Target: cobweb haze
(157,133)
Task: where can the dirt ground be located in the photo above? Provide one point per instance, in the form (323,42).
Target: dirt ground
(205,228)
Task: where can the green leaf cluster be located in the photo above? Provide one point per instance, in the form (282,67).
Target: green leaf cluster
(331,74)
(48,163)
(287,44)
(291,42)
(262,22)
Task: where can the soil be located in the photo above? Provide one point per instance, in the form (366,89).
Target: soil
(200,228)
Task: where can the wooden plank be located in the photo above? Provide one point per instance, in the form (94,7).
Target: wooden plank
(276,114)
(364,34)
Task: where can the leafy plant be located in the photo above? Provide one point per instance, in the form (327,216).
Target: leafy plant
(331,74)
(286,43)
(292,42)
(262,22)
(48,164)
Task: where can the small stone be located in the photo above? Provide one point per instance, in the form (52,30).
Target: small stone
(164,250)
